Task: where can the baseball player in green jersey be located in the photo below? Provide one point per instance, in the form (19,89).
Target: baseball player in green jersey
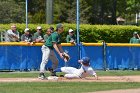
(53,42)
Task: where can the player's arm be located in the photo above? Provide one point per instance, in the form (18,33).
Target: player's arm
(57,49)
(60,48)
(92,72)
(12,35)
(17,36)
(138,36)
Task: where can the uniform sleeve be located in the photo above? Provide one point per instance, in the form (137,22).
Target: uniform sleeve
(68,39)
(54,38)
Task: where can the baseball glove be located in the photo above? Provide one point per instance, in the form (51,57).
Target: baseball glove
(66,57)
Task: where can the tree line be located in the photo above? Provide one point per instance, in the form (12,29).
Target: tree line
(91,11)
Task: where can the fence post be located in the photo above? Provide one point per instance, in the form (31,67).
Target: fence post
(104,56)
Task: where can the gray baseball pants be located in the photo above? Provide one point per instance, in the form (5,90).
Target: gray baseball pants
(47,54)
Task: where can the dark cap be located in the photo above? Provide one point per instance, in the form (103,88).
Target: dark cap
(51,28)
(59,25)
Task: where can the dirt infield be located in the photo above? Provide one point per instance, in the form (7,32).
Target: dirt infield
(89,79)
(120,91)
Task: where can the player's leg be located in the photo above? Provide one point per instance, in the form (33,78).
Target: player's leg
(45,57)
(71,76)
(54,59)
(68,70)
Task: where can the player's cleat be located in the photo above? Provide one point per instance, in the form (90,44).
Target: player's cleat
(53,74)
(41,76)
(50,69)
(61,76)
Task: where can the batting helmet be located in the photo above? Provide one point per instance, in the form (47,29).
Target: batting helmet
(85,60)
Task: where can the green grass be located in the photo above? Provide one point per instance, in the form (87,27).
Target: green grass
(118,73)
(35,74)
(63,87)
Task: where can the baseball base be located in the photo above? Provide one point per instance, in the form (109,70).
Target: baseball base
(52,78)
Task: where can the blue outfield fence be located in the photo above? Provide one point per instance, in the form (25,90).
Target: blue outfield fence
(123,57)
(96,55)
(18,56)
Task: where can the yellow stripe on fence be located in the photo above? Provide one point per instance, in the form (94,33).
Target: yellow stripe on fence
(26,44)
(66,44)
(122,44)
(92,44)
(110,44)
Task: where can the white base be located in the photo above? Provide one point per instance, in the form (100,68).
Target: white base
(52,78)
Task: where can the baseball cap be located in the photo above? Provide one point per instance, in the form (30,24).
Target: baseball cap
(39,27)
(26,29)
(135,33)
(85,60)
(70,30)
(59,25)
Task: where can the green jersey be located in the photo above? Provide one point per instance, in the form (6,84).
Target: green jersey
(70,38)
(134,40)
(38,35)
(54,37)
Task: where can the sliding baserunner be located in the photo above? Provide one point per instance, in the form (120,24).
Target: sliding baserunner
(84,71)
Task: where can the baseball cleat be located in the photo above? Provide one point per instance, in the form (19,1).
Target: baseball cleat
(52,72)
(42,76)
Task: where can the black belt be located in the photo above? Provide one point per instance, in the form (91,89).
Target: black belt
(50,47)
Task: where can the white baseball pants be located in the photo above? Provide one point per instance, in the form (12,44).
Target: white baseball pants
(71,72)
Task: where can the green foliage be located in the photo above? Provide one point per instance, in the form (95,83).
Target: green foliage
(91,11)
(10,12)
(39,17)
(88,33)
(108,33)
